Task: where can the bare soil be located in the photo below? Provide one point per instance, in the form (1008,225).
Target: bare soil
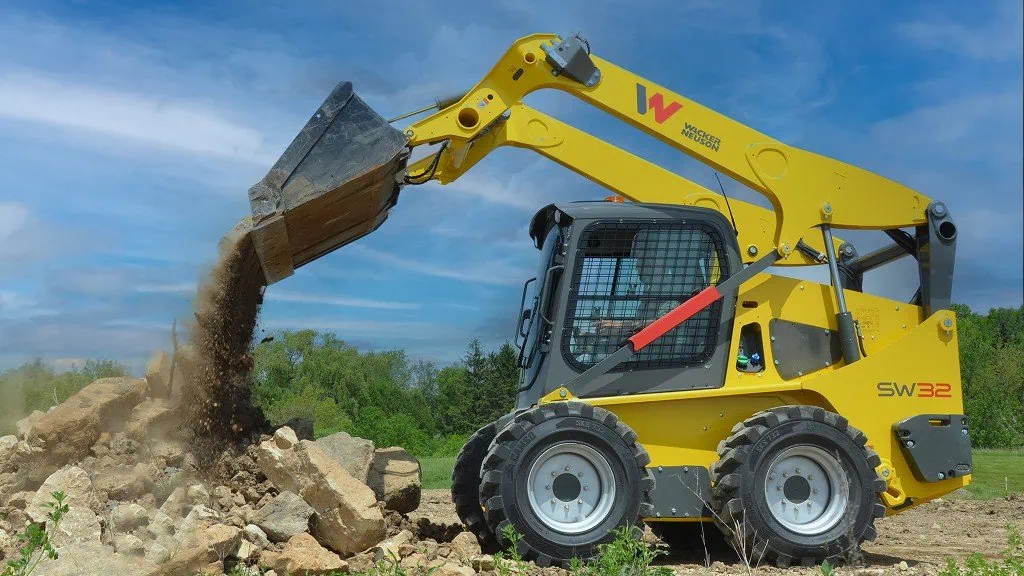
(923,537)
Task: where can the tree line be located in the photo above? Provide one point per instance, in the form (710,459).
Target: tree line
(430,410)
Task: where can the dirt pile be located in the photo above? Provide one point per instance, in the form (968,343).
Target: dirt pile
(217,410)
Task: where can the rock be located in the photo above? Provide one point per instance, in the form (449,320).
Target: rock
(253,534)
(197,494)
(66,433)
(395,479)
(268,558)
(157,553)
(302,427)
(361,563)
(24,426)
(123,483)
(153,418)
(93,558)
(354,454)
(209,545)
(246,551)
(79,525)
(9,453)
(158,375)
(171,451)
(270,573)
(198,519)
(73,482)
(176,505)
(903,566)
(285,438)
(389,549)
(129,545)
(444,550)
(465,546)
(420,564)
(127,517)
(870,572)
(160,525)
(482,563)
(285,516)
(347,517)
(304,556)
(20,500)
(453,569)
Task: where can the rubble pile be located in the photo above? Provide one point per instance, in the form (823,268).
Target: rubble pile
(142,503)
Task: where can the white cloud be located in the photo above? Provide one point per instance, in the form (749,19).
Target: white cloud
(306,298)
(999,39)
(365,329)
(146,119)
(13,216)
(516,193)
(490,272)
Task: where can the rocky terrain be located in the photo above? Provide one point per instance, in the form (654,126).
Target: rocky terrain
(142,503)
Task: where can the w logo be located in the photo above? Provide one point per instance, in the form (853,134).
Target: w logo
(656,102)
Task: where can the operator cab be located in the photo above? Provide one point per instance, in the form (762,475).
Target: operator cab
(608,269)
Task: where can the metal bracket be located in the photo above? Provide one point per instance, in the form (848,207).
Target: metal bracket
(571,58)
(937,446)
(681,491)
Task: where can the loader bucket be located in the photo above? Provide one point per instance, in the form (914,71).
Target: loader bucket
(334,183)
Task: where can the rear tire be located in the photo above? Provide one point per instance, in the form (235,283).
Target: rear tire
(565,476)
(796,484)
(466,486)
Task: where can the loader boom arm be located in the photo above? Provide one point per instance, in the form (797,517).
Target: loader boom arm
(805,189)
(626,174)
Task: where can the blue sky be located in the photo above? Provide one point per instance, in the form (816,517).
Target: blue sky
(130,132)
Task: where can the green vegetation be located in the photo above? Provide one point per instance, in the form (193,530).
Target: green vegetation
(997,473)
(36,539)
(977,565)
(36,386)
(431,410)
(437,471)
(628,555)
(383,396)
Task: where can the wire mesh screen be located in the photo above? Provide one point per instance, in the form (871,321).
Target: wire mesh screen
(629,274)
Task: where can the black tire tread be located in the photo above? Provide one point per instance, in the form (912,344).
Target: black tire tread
(733,452)
(466,487)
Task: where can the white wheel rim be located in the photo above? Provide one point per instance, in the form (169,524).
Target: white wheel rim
(571,488)
(807,490)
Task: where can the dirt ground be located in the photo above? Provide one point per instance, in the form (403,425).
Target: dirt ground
(923,537)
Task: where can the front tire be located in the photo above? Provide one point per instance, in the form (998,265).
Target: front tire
(797,484)
(565,476)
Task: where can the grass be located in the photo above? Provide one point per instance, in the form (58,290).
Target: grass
(997,473)
(437,472)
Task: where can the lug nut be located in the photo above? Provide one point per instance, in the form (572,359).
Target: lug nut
(579,474)
(580,501)
(815,491)
(797,470)
(568,468)
(778,486)
(785,474)
(585,488)
(547,487)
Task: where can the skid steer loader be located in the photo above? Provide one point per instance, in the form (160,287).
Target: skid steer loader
(667,378)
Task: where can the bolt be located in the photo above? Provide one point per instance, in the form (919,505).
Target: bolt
(686,514)
(548,487)
(785,474)
(553,500)
(827,208)
(799,373)
(686,470)
(568,468)
(771,476)
(910,443)
(938,210)
(585,488)
(897,308)
(776,362)
(797,470)
(566,507)
(660,469)
(815,491)
(964,431)
(848,250)
(752,250)
(947,323)
(580,474)
(808,504)
(580,501)
(941,476)
(773,338)
(673,511)
(553,473)
(658,514)
(826,363)
(885,472)
(409,133)
(705,428)
(809,477)
(786,249)
(778,486)
(562,393)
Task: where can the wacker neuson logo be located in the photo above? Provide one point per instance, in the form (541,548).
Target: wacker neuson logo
(663,112)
